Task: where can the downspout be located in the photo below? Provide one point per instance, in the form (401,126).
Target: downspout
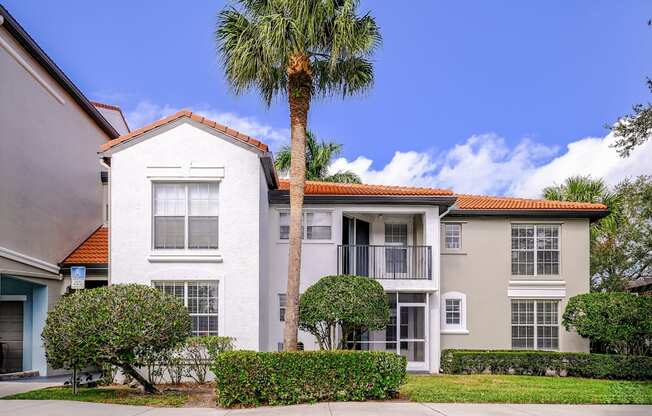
(106,163)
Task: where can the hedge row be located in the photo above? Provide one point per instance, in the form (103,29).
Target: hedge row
(248,378)
(608,366)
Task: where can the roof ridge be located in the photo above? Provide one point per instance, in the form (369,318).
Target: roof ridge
(193,116)
(355,185)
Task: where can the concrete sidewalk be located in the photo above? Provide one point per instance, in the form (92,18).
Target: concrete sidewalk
(67,408)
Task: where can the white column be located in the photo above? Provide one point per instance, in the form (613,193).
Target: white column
(434,335)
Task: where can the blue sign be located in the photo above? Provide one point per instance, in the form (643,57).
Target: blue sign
(78,277)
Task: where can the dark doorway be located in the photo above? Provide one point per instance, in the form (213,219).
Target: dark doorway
(362,248)
(11,337)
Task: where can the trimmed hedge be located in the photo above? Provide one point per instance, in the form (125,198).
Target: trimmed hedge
(248,378)
(608,366)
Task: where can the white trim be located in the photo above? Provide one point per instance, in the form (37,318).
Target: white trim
(30,70)
(455,332)
(13,298)
(184,257)
(31,261)
(454,328)
(552,289)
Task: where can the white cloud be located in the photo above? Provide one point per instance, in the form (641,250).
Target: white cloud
(485,164)
(146,112)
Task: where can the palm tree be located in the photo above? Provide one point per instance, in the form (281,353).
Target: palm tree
(587,189)
(319,156)
(298,49)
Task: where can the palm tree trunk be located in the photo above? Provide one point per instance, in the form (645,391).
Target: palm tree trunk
(299,94)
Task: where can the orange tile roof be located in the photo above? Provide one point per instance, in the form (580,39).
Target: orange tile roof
(193,116)
(334,188)
(481,202)
(94,250)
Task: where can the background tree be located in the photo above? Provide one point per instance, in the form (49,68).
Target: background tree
(350,303)
(120,325)
(633,129)
(622,322)
(621,243)
(319,156)
(622,248)
(299,49)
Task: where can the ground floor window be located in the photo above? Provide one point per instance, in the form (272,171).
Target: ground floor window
(200,298)
(406,332)
(535,324)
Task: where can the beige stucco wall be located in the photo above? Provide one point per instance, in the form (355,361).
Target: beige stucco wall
(481,269)
(50,191)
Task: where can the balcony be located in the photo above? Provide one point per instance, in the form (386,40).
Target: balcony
(396,262)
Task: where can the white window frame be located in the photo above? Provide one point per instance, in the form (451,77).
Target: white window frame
(459,236)
(220,302)
(282,305)
(461,328)
(535,323)
(536,226)
(304,226)
(187,215)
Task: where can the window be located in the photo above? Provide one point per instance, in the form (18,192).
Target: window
(200,298)
(317,225)
(453,311)
(396,258)
(453,319)
(179,207)
(535,324)
(535,245)
(452,236)
(282,302)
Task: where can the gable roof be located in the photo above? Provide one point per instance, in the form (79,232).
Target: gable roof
(193,116)
(25,40)
(334,188)
(94,250)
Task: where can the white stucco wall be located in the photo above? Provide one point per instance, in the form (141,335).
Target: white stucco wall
(319,258)
(175,152)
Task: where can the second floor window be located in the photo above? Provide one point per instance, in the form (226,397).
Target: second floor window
(316,225)
(535,249)
(452,236)
(185,215)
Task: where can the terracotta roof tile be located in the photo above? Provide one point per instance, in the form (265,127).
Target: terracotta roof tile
(481,202)
(94,250)
(464,202)
(334,188)
(193,116)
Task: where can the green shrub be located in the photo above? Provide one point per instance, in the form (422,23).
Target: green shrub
(126,326)
(623,367)
(350,303)
(620,321)
(247,378)
(199,353)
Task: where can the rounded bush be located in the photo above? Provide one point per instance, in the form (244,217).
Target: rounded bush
(120,325)
(350,302)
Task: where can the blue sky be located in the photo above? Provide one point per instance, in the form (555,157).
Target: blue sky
(482,96)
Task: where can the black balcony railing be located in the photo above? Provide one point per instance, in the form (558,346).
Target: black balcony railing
(385,262)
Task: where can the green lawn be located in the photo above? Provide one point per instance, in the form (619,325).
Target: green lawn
(524,389)
(115,395)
